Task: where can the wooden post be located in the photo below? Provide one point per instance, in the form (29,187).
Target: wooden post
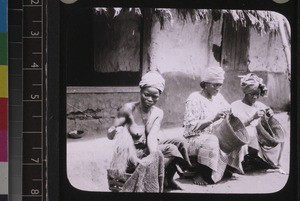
(284,30)
(146,40)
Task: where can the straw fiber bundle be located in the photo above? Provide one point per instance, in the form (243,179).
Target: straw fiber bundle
(231,133)
(124,153)
(270,132)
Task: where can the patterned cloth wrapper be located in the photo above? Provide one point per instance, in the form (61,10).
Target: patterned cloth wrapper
(203,144)
(148,176)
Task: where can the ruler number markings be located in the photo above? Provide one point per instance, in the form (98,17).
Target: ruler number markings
(33,51)
(34,65)
(35,160)
(34,33)
(34,2)
(34,96)
(35,191)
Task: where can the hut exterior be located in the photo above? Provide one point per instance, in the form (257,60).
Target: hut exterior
(181,45)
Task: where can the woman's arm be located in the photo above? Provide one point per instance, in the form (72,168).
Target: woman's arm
(239,110)
(120,120)
(194,116)
(202,124)
(268,111)
(152,138)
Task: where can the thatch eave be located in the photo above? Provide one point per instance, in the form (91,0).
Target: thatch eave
(262,21)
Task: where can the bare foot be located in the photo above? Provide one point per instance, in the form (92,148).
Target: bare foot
(172,185)
(199,180)
(279,170)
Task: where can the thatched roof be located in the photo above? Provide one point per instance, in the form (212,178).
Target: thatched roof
(262,21)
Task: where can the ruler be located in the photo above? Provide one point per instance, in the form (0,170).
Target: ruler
(26,74)
(33,163)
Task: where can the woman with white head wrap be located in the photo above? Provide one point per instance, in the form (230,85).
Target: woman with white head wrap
(205,109)
(249,110)
(213,75)
(142,121)
(251,82)
(153,79)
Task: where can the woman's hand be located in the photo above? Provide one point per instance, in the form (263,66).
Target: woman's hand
(112,131)
(202,124)
(220,115)
(259,114)
(197,126)
(269,112)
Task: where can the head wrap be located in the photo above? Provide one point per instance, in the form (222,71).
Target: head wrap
(213,75)
(153,79)
(252,82)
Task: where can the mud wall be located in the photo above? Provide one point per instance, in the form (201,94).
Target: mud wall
(266,53)
(267,56)
(183,46)
(94,112)
(182,51)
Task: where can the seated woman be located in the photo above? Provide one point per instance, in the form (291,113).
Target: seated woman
(249,110)
(142,121)
(205,109)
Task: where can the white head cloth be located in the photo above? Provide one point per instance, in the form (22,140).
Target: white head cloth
(213,75)
(153,79)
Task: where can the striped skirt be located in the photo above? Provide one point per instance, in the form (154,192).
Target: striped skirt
(206,149)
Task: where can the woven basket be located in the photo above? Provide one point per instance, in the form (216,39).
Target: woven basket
(116,180)
(231,133)
(270,132)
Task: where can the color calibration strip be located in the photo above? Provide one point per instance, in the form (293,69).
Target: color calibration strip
(3,101)
(15,60)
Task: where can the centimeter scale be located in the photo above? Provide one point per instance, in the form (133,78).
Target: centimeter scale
(28,38)
(33,102)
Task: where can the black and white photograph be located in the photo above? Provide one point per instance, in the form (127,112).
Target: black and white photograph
(177,100)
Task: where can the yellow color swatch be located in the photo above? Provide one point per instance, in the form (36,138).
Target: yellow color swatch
(3,82)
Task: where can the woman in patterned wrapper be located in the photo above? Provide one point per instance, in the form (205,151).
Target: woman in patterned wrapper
(203,110)
(142,120)
(249,110)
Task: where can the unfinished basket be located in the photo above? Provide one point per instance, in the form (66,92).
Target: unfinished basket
(116,180)
(270,132)
(231,133)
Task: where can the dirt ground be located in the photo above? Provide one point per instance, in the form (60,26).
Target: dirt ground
(89,157)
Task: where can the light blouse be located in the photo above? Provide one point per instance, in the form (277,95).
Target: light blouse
(198,107)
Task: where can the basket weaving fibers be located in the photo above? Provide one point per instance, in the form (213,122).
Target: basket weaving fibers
(231,133)
(269,131)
